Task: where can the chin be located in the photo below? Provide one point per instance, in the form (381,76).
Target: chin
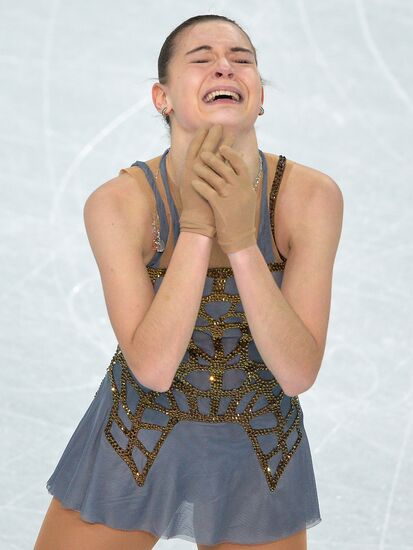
(233,122)
(227,118)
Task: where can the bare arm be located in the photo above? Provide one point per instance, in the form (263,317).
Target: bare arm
(167,327)
(289,326)
(118,219)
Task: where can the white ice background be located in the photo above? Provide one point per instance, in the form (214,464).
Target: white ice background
(75,107)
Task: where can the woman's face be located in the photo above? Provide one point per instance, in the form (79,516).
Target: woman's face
(193,75)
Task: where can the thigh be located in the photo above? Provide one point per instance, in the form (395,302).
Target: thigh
(64,529)
(298,541)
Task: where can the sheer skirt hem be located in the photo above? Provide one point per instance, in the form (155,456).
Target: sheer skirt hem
(174,533)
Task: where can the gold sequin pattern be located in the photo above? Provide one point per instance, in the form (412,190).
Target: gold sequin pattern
(255,387)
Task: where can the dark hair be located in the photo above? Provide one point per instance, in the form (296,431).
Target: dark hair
(169,46)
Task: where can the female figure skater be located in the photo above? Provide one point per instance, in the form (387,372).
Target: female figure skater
(196,431)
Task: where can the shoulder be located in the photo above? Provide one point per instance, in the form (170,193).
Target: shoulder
(119,194)
(301,181)
(123,204)
(308,198)
(313,202)
(310,188)
(128,191)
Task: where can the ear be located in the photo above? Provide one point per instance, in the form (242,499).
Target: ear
(262,95)
(159,96)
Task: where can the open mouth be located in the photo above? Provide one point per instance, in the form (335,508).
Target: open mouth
(223,96)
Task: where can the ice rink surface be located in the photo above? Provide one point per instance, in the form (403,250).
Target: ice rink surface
(76,107)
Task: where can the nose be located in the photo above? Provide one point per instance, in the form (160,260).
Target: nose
(224,68)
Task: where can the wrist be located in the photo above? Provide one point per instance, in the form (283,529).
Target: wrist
(232,247)
(206,230)
(197,232)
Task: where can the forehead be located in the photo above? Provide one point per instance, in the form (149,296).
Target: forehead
(213,33)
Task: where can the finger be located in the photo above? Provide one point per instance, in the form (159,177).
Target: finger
(205,190)
(213,138)
(218,164)
(209,175)
(229,140)
(197,141)
(234,158)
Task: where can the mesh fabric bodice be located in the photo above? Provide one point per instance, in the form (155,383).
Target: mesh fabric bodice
(221,378)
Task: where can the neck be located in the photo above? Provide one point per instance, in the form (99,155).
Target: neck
(245,144)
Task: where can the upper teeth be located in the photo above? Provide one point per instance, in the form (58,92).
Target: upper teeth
(212,95)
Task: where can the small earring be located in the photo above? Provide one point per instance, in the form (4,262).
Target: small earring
(163,112)
(261,111)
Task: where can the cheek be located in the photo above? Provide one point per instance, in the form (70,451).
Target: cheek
(188,90)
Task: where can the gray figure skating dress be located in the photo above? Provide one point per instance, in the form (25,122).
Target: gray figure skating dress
(223,455)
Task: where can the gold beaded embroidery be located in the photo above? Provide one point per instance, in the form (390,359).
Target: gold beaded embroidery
(267,389)
(273,196)
(258,381)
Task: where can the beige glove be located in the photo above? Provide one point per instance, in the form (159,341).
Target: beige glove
(197,215)
(227,186)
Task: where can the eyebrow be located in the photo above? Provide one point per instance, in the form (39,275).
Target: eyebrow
(235,49)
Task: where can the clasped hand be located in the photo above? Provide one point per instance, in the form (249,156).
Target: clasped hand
(224,181)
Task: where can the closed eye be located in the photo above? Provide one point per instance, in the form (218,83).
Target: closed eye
(237,61)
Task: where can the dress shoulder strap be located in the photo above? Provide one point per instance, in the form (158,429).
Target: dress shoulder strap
(273,195)
(160,226)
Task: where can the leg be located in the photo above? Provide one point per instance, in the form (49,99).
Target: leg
(64,529)
(298,541)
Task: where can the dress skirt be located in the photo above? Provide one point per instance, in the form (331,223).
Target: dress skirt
(205,486)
